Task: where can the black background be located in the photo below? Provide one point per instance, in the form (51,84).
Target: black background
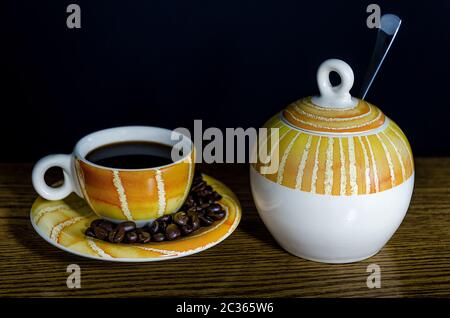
(231,63)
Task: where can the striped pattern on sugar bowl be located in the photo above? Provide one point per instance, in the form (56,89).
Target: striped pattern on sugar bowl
(306,115)
(136,195)
(375,157)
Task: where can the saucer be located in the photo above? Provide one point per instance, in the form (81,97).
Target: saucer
(62,223)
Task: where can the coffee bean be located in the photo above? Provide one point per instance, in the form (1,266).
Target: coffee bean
(117,235)
(205,220)
(180,218)
(202,194)
(107,225)
(209,189)
(199,186)
(159,237)
(187,229)
(127,226)
(198,182)
(202,212)
(210,199)
(217,216)
(214,208)
(144,237)
(154,227)
(100,233)
(162,226)
(217,196)
(172,232)
(189,201)
(90,232)
(192,213)
(96,223)
(131,237)
(195,222)
(111,236)
(120,236)
(166,218)
(204,205)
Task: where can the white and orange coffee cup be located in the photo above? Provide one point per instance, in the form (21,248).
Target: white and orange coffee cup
(139,195)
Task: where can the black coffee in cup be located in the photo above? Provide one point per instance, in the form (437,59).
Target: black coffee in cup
(131,155)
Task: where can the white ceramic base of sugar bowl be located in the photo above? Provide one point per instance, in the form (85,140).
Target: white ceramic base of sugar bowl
(326,228)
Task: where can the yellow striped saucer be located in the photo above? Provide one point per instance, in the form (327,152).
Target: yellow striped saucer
(62,223)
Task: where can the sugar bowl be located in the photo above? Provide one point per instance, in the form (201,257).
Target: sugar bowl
(344,178)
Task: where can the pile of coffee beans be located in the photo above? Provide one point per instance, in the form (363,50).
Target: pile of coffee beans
(199,209)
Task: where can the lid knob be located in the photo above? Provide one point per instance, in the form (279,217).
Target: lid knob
(335,96)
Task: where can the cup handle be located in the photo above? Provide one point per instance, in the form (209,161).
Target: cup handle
(41,167)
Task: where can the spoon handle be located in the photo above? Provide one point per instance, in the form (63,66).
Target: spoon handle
(389,26)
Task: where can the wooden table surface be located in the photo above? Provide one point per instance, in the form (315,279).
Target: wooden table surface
(415,262)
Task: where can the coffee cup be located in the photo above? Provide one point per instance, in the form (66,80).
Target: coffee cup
(122,194)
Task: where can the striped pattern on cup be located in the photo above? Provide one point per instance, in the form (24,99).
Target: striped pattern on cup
(136,194)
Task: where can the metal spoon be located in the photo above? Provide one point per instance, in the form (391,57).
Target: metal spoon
(389,26)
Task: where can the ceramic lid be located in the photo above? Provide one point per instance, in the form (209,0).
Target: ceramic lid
(335,110)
